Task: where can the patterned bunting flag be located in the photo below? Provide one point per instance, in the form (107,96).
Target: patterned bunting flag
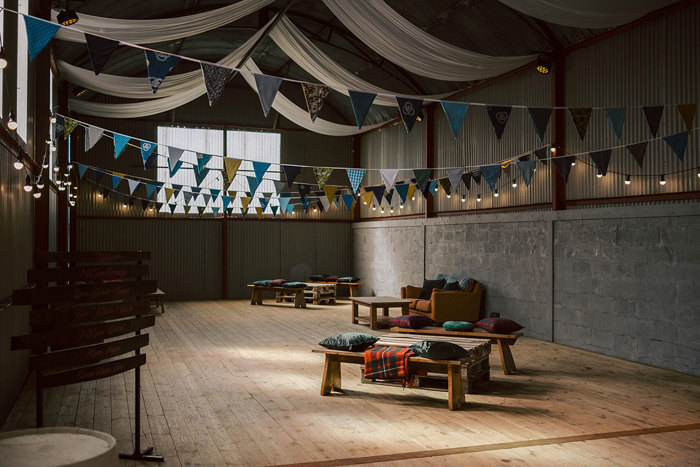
(540,119)
(601,159)
(402,190)
(260,168)
(168,193)
(677,143)
(653,117)
(284,202)
(39,33)
(563,165)
(120,142)
(455,177)
(315,95)
(58,127)
(252,184)
(115,181)
(158,65)
(467,180)
(263,202)
(99,50)
(355,176)
(290,172)
(499,116)
(687,112)
(455,113)
(616,117)
(226,200)
(445,184)
(330,191)
(389,177)
(367,196)
(348,200)
(81,170)
(491,173)
(378,192)
(133,185)
(92,136)
(146,150)
(638,150)
(422,176)
(322,174)
(202,160)
(304,190)
(527,168)
(245,201)
(389,195)
(267,87)
(580,116)
(361,103)
(410,110)
(215,78)
(541,154)
(69,126)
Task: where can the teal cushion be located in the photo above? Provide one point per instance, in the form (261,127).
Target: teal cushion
(465,326)
(352,341)
(441,276)
(439,350)
(294,284)
(265,282)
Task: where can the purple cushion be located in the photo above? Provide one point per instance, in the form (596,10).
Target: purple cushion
(498,325)
(331,278)
(411,321)
(277,282)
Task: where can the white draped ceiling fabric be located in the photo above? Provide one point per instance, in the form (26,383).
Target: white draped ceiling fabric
(393,37)
(149,31)
(587,13)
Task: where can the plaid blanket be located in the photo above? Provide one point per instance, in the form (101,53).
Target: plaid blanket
(385,362)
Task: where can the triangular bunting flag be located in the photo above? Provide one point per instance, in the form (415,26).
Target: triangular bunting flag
(467,180)
(263,203)
(97,175)
(389,177)
(99,50)
(446,185)
(304,190)
(245,201)
(58,127)
(202,160)
(411,192)
(422,176)
(187,196)
(653,116)
(366,197)
(120,142)
(455,177)
(81,170)
(305,204)
(267,90)
(402,190)
(274,210)
(355,176)
(290,209)
(115,181)
(563,164)
(541,154)
(39,33)
(226,200)
(144,204)
(133,185)
(174,162)
(527,168)
(499,116)
(410,110)
(252,184)
(687,111)
(322,174)
(378,192)
(215,210)
(491,173)
(146,150)
(187,209)
(348,200)
(677,143)
(260,168)
(581,117)
(214,193)
(616,117)
(290,172)
(315,95)
(259,212)
(477,177)
(432,187)
(215,78)
(330,191)
(69,126)
(207,198)
(540,119)
(200,175)
(455,113)
(361,102)
(601,159)
(389,195)
(158,65)
(283,203)
(168,193)
(172,207)
(638,150)
(324,204)
(92,136)
(280,185)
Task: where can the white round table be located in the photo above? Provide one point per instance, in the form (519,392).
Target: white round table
(58,446)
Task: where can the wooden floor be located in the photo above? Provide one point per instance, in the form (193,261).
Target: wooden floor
(227,383)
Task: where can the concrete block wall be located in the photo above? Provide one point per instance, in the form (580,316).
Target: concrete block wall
(622,281)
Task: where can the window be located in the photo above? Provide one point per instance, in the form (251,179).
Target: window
(263,147)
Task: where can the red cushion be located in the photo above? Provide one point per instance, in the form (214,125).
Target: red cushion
(498,325)
(331,278)
(411,321)
(277,282)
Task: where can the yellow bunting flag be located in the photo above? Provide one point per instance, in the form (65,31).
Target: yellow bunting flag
(330,192)
(687,111)
(168,193)
(187,209)
(259,211)
(245,200)
(367,197)
(411,191)
(232,194)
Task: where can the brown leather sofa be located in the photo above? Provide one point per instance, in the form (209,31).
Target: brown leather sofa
(447,305)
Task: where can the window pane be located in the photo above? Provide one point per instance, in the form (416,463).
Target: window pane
(257,146)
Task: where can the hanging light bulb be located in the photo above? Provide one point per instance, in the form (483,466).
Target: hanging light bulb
(62,187)
(18,164)
(573,162)
(40,182)
(69,167)
(364,202)
(544,64)
(478,198)
(662,179)
(28,184)
(99,195)
(3,58)
(553,149)
(436,188)
(514,184)
(150,208)
(599,174)
(495,194)
(382,210)
(53,118)
(56,168)
(67,17)
(374,208)
(11,120)
(392,209)
(698,171)
(449,195)
(35,192)
(401,206)
(413,198)
(464,198)
(314,209)
(627,180)
(124,204)
(72,203)
(45,165)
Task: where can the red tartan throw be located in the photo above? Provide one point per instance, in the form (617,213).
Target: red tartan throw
(386,362)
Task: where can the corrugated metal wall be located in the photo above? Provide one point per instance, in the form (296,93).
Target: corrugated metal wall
(655,64)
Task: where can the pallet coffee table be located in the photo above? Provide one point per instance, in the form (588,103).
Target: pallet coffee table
(376,302)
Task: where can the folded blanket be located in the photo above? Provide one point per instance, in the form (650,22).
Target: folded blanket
(386,362)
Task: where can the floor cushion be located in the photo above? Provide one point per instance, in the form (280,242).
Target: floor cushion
(411,321)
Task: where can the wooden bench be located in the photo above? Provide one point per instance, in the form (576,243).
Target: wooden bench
(453,368)
(353,286)
(504,341)
(157,299)
(317,293)
(257,290)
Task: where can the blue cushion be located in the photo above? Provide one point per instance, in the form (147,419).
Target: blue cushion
(442,276)
(265,282)
(294,285)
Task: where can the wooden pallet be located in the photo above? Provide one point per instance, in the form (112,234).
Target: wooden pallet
(318,294)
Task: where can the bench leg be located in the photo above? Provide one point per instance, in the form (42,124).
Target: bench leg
(386,311)
(253,300)
(373,317)
(331,375)
(353,291)
(455,388)
(506,358)
(354,312)
(299,299)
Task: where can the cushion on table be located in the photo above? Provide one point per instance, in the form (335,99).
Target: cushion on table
(332,278)
(498,325)
(349,279)
(411,321)
(277,282)
(317,277)
(295,285)
(464,326)
(265,282)
(439,350)
(352,341)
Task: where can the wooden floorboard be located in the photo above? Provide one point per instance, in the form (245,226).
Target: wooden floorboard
(227,383)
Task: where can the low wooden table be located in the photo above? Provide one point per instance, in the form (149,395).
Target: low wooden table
(377,302)
(257,290)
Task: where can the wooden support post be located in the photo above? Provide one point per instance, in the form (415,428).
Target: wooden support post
(559,99)
(331,375)
(62,161)
(429,154)
(224,256)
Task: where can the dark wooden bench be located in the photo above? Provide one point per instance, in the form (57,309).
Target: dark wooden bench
(157,299)
(503,341)
(453,368)
(257,290)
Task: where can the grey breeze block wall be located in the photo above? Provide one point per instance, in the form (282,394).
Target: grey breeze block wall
(620,281)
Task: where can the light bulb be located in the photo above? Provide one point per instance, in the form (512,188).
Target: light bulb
(599,174)
(436,189)
(72,203)
(314,209)
(401,206)
(3,58)
(28,184)
(124,204)
(449,195)
(56,168)
(12,120)
(478,198)
(662,179)
(18,164)
(53,118)
(99,195)
(464,198)
(573,163)
(150,208)
(382,210)
(69,167)
(40,183)
(45,165)
(627,180)
(698,171)
(62,187)
(36,194)
(365,203)
(413,198)
(553,149)
(53,147)
(391,210)
(514,184)
(374,208)
(69,183)
(495,193)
